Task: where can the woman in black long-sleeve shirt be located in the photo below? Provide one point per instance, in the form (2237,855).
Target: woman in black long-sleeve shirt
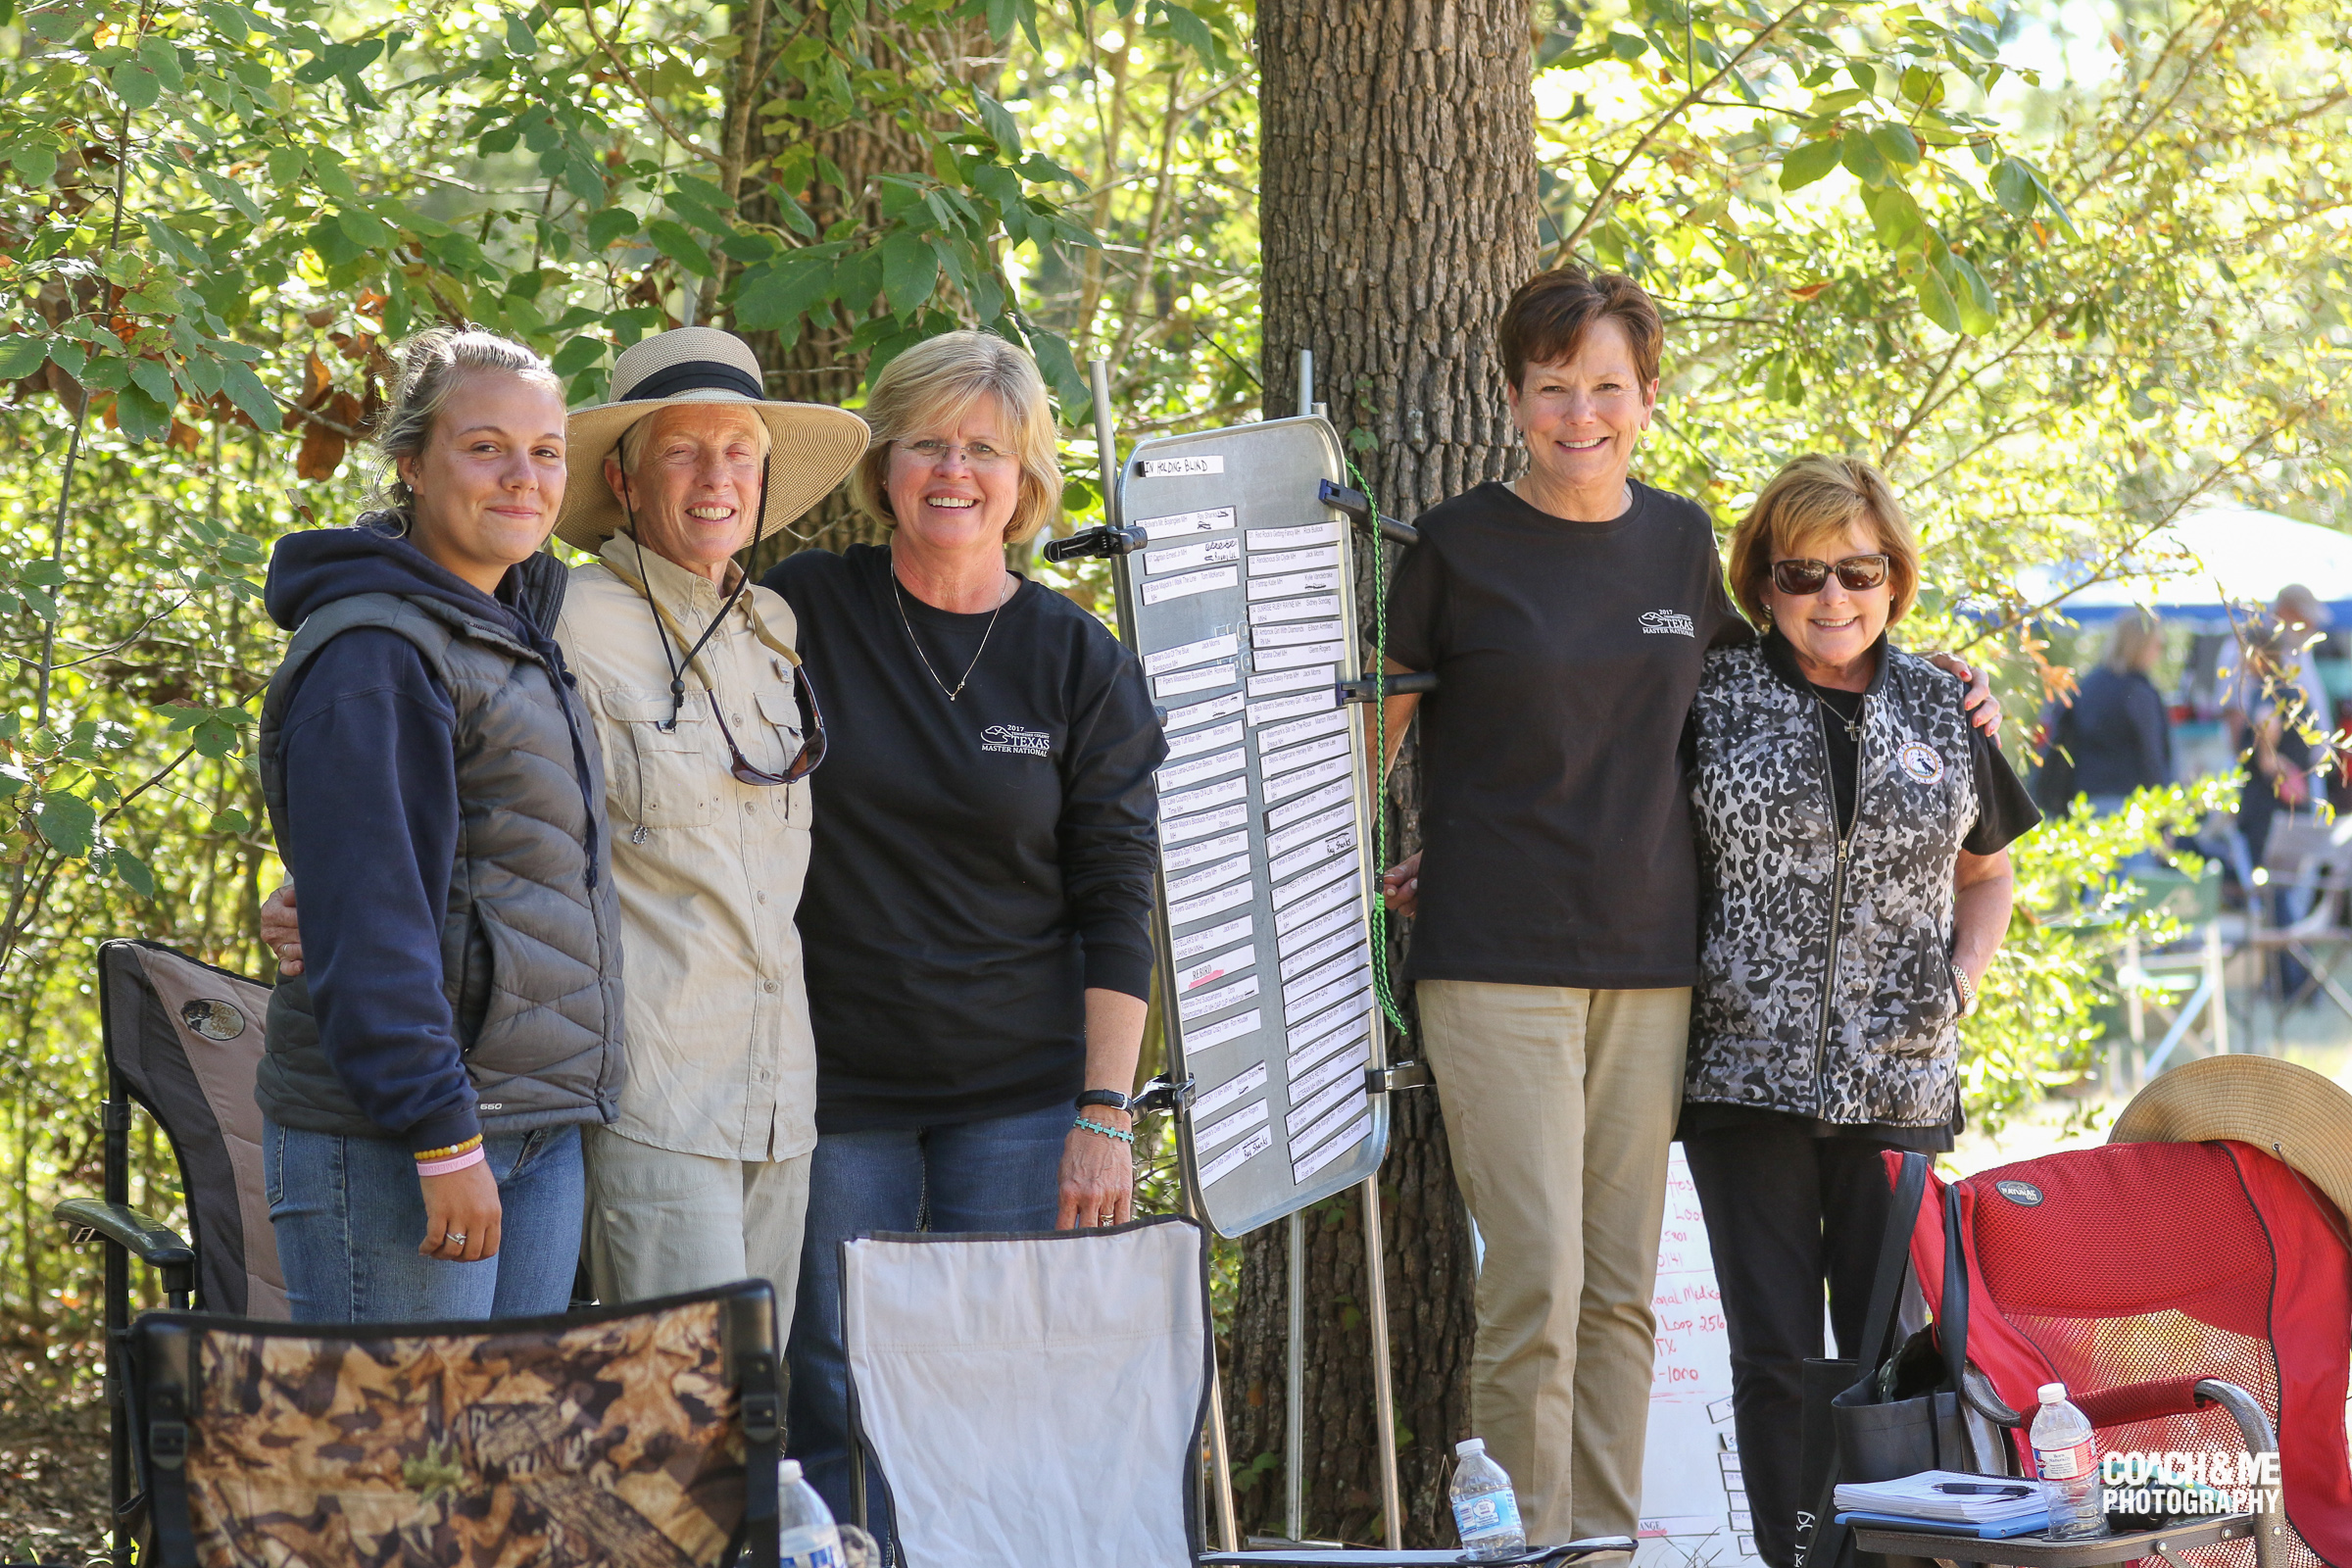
(976,917)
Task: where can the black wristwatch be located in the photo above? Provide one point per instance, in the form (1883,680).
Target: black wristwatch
(1104,1096)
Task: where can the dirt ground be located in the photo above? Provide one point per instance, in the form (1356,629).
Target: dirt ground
(53,1486)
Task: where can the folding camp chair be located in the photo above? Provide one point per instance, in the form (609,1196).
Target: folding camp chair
(182,1038)
(2195,1299)
(1038,1399)
(634,1437)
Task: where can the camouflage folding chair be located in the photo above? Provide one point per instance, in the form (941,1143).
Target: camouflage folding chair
(184,1041)
(635,1437)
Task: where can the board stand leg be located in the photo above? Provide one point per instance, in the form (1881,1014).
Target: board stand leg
(1294,1411)
(1383,1394)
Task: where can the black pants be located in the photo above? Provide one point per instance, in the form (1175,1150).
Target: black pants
(1786,1212)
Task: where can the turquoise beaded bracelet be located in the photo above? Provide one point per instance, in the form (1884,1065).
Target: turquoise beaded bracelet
(1093,1126)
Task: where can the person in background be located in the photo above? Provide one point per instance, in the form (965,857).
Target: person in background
(1568,615)
(977,913)
(2115,736)
(436,787)
(1852,838)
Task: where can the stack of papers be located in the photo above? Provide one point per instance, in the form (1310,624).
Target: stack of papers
(1946,1497)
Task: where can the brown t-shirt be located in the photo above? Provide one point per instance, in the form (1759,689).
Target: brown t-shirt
(1556,829)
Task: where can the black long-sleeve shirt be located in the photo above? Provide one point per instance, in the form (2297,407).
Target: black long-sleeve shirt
(2120,738)
(975,866)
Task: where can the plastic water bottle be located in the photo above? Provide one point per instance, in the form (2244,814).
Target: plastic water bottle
(2066,1456)
(810,1539)
(1485,1508)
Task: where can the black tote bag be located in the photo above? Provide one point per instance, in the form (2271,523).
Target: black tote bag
(1850,1433)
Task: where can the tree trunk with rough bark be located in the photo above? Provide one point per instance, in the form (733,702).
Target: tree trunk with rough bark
(1398,212)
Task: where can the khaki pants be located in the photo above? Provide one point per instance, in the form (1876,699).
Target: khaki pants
(1559,1105)
(661,1222)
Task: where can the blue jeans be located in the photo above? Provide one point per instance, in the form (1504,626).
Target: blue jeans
(1003,1174)
(349,1215)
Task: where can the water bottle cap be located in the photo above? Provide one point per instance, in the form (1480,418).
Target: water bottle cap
(788,1471)
(2051,1393)
(1468,1446)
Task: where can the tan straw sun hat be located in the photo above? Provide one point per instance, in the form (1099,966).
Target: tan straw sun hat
(2299,1115)
(812,447)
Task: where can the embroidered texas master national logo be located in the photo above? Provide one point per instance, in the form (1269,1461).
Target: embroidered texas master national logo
(1013,738)
(1671,623)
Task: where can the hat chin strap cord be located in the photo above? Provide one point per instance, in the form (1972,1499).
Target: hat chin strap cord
(743,580)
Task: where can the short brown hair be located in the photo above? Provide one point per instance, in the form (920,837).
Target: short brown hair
(1549,314)
(938,379)
(1813,500)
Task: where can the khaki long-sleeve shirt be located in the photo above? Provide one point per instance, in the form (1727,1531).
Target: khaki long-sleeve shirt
(708,868)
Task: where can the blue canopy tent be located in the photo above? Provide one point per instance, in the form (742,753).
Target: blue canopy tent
(2193,569)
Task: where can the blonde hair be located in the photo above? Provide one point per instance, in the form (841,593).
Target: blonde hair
(431,365)
(2129,644)
(1814,501)
(936,381)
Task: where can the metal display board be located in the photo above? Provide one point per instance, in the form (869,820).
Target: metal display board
(1240,600)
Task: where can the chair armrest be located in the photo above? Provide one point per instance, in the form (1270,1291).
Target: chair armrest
(149,1240)
(2141,1402)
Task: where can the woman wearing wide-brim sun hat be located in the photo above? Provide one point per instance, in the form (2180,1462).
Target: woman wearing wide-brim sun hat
(710,727)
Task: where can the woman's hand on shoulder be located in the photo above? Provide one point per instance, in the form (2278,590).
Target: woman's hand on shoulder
(281,932)
(1097,1174)
(1984,710)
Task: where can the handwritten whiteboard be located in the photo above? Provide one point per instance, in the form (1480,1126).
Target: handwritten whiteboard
(1693,1510)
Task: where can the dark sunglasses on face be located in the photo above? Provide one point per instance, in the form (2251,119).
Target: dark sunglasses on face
(1856,573)
(812,738)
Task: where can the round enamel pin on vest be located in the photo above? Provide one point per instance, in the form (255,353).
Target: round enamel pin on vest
(1920,762)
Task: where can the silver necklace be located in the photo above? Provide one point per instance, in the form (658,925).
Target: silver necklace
(899,597)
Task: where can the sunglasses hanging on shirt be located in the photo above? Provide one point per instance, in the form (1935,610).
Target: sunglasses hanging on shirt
(1857,574)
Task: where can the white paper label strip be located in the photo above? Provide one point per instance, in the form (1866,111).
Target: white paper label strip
(1201,800)
(1333,972)
(1297,861)
(1290,893)
(1192,653)
(1291,657)
(1271,610)
(1206,739)
(1224,1029)
(1230,1091)
(1202,713)
(1179,467)
(1328,795)
(1331,821)
(1289,634)
(1176,525)
(1217,936)
(1298,939)
(1175,775)
(1318,700)
(1302,1171)
(1308,1110)
(1234,1158)
(1297,582)
(1298,914)
(1347,1114)
(1302,1063)
(1201,1004)
(1312,533)
(1304,959)
(1184,557)
(1194,680)
(1306,779)
(1301,729)
(1192,827)
(1355,989)
(1307,1040)
(1232,1127)
(1332,1072)
(1163,589)
(1192,855)
(1209,904)
(1209,970)
(1212,876)
(1293,561)
(1294,757)
(1276,682)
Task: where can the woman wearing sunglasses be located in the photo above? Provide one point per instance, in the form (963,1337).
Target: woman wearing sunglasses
(711,728)
(1853,830)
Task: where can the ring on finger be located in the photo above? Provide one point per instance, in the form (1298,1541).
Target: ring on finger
(453,1238)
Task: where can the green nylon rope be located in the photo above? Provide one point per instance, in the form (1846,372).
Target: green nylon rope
(1381,987)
